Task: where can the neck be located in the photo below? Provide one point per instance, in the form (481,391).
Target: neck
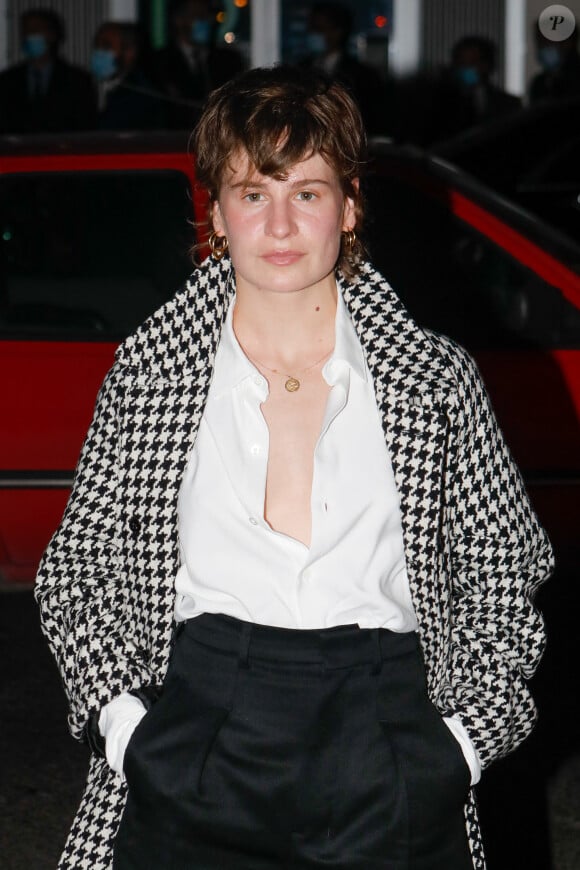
(286,330)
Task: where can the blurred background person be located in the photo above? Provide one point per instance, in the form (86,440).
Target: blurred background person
(560,62)
(127,96)
(473,62)
(432,107)
(191,65)
(330,27)
(45,93)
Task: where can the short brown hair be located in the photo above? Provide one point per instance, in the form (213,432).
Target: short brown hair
(279,116)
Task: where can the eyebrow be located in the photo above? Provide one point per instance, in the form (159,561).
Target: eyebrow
(302,182)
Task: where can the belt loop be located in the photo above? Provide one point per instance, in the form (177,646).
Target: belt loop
(377,657)
(244,647)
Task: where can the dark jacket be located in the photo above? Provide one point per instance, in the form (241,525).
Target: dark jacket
(557,84)
(189,88)
(134,104)
(69,102)
(366,86)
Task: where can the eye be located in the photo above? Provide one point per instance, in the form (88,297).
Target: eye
(254,196)
(306,196)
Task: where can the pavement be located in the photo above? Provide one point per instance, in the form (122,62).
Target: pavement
(529,802)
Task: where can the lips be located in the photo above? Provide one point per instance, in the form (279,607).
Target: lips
(282,258)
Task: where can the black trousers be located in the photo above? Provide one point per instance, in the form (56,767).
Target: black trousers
(275,748)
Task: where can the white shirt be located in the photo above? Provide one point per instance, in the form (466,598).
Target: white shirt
(233,562)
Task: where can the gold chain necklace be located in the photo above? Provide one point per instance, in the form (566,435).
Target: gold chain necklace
(292,383)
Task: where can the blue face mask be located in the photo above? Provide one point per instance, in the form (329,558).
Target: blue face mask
(103,64)
(549,57)
(468,76)
(34,45)
(201,31)
(316,43)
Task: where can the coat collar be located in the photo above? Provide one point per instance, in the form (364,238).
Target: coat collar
(400,354)
(180,339)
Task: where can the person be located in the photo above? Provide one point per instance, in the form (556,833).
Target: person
(473,62)
(330,26)
(291,595)
(560,75)
(45,94)
(438,106)
(191,65)
(129,100)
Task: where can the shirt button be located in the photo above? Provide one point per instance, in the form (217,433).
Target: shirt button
(307,574)
(258,380)
(254,521)
(255,449)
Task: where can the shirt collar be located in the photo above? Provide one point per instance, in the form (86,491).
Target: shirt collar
(232,366)
(347,347)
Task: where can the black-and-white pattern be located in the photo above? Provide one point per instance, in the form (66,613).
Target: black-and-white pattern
(475,553)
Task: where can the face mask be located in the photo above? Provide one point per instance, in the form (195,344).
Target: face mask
(549,57)
(34,45)
(200,31)
(103,64)
(468,75)
(316,43)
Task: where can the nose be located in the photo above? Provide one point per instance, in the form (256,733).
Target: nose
(280,221)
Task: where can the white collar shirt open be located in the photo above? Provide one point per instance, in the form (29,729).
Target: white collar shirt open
(233,562)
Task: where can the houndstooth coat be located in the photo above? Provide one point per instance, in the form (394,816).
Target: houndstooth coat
(475,553)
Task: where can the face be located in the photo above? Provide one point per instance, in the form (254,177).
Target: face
(109,39)
(330,32)
(35,27)
(283,236)
(193,12)
(471,57)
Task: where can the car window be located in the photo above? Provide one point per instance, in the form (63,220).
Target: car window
(88,256)
(454,279)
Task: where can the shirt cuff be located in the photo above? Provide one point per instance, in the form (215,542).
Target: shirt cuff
(469,751)
(117,722)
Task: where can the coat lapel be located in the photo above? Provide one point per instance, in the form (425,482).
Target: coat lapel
(410,387)
(169,363)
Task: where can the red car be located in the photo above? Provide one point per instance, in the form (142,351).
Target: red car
(95,234)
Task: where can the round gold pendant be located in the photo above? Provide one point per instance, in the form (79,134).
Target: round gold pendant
(292,384)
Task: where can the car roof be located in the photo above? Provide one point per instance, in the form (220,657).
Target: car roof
(454,177)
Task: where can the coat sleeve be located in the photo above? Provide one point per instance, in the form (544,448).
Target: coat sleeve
(80,587)
(499,556)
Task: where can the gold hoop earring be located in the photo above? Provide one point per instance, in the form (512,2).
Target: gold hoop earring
(218,245)
(348,241)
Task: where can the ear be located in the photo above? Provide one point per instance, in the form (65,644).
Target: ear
(216,217)
(349,211)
